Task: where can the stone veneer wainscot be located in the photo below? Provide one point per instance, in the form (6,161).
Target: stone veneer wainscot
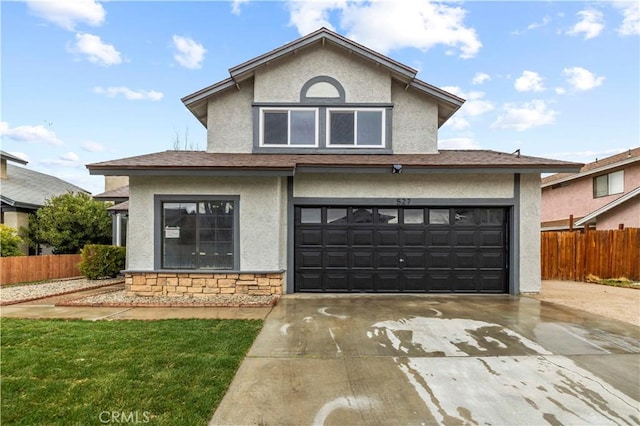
(195,285)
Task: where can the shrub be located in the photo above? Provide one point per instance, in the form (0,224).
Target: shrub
(9,241)
(70,221)
(101,261)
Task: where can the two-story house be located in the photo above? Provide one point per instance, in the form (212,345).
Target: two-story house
(322,174)
(604,194)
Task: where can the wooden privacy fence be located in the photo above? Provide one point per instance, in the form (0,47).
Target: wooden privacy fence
(572,255)
(21,269)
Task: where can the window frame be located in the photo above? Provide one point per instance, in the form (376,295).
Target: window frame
(267,109)
(609,191)
(160,199)
(355,110)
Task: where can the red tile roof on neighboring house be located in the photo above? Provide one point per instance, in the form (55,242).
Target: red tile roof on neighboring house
(624,157)
(446,159)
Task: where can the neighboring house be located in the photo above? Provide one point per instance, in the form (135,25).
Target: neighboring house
(24,191)
(604,194)
(322,174)
(117,191)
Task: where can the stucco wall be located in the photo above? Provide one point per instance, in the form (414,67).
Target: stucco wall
(529,261)
(230,120)
(362,81)
(415,122)
(414,119)
(405,185)
(627,214)
(17,220)
(114,182)
(577,198)
(261,217)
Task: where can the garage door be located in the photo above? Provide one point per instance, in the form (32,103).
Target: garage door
(401,249)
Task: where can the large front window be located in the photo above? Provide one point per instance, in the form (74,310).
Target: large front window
(285,127)
(198,234)
(356,128)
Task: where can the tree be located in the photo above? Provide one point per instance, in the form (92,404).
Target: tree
(70,221)
(9,241)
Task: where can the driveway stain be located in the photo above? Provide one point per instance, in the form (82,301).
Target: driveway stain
(529,387)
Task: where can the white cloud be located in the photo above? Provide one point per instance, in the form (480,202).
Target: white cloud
(69,159)
(235,6)
(534,25)
(96,51)
(480,78)
(457,123)
(560,90)
(542,23)
(582,79)
(591,24)
(529,81)
(631,17)
(309,16)
(522,117)
(458,143)
(189,53)
(474,105)
(93,146)
(68,13)
(132,95)
(30,134)
(386,25)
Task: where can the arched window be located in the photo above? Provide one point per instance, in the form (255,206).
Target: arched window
(322,89)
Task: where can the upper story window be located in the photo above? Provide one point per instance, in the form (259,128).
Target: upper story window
(355,127)
(322,121)
(611,183)
(289,127)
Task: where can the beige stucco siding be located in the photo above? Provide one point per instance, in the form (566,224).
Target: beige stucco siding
(261,217)
(530,233)
(415,122)
(405,185)
(230,121)
(283,80)
(230,116)
(17,220)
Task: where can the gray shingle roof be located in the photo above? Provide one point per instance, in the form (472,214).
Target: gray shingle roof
(30,189)
(117,194)
(199,161)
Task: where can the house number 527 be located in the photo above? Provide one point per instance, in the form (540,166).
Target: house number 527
(403,201)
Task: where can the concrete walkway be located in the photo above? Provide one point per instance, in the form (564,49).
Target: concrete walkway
(376,360)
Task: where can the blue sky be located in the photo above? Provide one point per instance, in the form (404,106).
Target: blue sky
(86,81)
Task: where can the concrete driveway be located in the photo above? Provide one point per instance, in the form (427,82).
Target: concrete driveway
(349,360)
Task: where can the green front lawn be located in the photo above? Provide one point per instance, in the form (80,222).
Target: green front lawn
(151,372)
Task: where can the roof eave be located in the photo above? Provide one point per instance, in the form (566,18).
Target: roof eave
(191,171)
(323,35)
(586,173)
